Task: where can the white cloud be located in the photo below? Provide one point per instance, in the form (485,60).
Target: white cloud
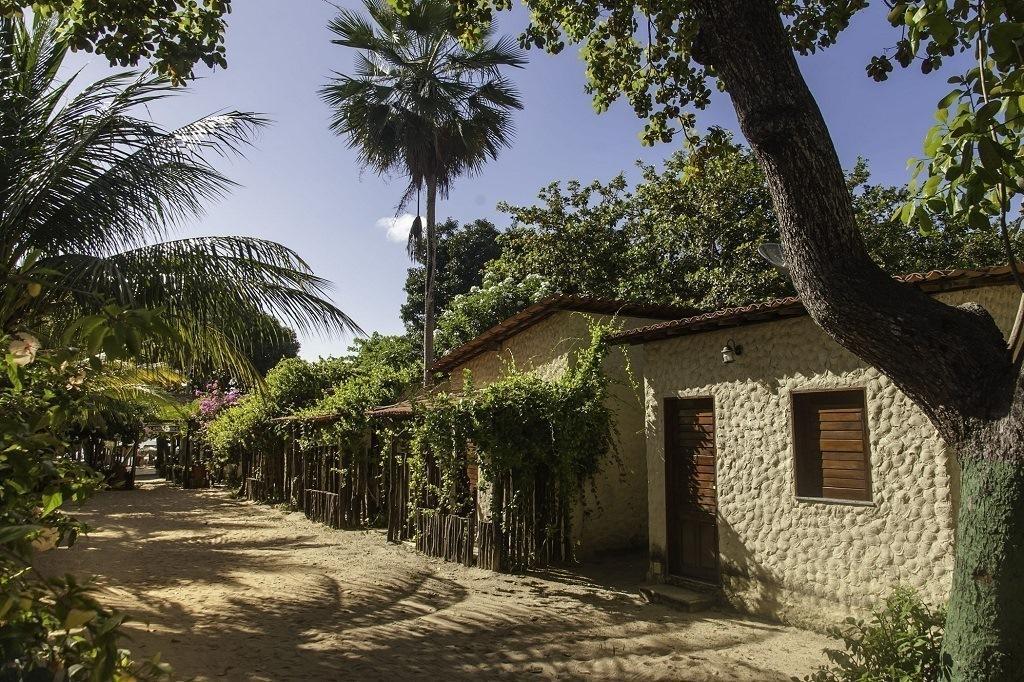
(397,228)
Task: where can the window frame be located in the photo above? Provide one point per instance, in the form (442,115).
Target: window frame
(794,456)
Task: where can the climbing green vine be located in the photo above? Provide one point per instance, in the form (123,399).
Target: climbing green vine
(442,432)
(519,426)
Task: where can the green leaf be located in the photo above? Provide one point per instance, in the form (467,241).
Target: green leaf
(906,213)
(113,347)
(923,220)
(953,96)
(897,13)
(988,110)
(932,140)
(1001,38)
(51,502)
(940,27)
(977,220)
(133,341)
(967,158)
(95,339)
(988,152)
(9,534)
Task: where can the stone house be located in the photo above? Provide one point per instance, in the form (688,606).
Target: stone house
(543,338)
(785,471)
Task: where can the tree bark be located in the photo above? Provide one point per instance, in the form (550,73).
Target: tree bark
(430,274)
(953,362)
(986,609)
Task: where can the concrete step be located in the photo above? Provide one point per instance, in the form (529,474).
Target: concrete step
(677,597)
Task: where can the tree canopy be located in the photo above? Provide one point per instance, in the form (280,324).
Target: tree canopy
(462,252)
(483,307)
(376,370)
(174,34)
(688,233)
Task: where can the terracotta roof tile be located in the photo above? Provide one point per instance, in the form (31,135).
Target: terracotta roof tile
(402,409)
(537,312)
(933,280)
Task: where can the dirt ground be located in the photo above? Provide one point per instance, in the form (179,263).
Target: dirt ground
(230,590)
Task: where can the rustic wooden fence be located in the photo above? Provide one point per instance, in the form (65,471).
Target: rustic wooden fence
(263,476)
(513,529)
(115,460)
(342,487)
(339,488)
(449,536)
(528,528)
(400,526)
(180,460)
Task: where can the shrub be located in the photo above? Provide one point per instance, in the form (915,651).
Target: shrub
(378,370)
(55,629)
(902,642)
(467,315)
(293,382)
(212,399)
(521,425)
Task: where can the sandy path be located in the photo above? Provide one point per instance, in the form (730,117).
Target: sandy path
(229,590)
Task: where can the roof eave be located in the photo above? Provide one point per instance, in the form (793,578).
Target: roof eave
(934,281)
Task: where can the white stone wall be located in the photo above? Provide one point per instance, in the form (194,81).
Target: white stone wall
(612,514)
(809,563)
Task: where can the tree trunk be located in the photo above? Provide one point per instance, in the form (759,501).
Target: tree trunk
(953,362)
(430,275)
(986,608)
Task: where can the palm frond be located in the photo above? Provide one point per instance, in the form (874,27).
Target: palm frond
(87,187)
(417,102)
(414,245)
(154,386)
(221,280)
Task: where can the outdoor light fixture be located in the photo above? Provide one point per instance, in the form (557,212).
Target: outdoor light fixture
(730,350)
(774,254)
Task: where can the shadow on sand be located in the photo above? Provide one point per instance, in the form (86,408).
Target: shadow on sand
(230,590)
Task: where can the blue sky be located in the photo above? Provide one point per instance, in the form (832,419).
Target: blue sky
(302,186)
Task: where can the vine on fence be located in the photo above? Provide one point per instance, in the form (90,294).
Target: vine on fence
(441,433)
(522,427)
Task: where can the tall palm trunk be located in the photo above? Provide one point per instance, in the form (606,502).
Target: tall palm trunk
(431,274)
(422,106)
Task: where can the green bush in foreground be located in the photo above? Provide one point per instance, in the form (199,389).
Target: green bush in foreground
(902,642)
(53,628)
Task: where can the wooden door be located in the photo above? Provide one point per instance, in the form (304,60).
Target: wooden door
(690,489)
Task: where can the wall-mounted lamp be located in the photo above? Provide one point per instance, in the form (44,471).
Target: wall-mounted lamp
(730,350)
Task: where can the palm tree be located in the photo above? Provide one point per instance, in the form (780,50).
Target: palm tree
(87,188)
(423,106)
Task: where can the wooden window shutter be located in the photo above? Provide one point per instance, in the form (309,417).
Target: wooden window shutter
(831,445)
